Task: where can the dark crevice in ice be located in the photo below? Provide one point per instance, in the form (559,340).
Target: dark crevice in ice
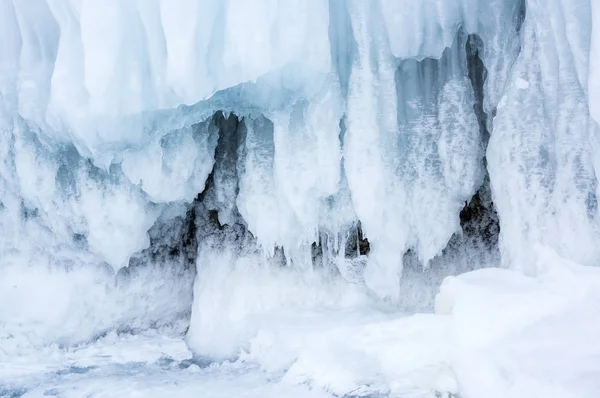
(479,217)
(357,244)
(477,75)
(217,221)
(522,13)
(476,245)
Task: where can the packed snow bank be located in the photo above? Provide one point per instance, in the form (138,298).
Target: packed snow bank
(516,336)
(356,352)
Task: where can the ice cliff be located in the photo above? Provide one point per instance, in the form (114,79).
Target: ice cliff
(283,153)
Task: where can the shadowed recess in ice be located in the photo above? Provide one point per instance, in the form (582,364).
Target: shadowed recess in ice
(206,162)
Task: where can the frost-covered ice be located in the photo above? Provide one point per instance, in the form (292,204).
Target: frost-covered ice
(282,187)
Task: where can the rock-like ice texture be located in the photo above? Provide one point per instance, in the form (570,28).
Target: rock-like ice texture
(226,162)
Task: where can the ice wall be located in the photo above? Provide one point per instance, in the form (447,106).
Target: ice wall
(359,133)
(542,156)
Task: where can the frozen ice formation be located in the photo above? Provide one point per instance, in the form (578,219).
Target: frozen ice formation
(287,153)
(542,157)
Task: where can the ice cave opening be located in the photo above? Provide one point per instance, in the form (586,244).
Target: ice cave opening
(308,198)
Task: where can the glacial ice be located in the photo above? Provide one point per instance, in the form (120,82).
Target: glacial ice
(243,166)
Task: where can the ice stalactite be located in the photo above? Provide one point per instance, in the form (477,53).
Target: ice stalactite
(475,245)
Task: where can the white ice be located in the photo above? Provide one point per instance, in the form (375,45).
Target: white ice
(95,96)
(352,112)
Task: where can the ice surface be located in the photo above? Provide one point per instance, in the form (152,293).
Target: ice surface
(278,179)
(542,162)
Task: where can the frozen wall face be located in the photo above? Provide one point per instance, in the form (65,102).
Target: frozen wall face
(542,156)
(300,153)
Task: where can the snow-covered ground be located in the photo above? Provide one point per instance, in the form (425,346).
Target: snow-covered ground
(150,365)
(494,333)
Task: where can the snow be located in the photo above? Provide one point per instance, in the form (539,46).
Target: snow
(494,333)
(152,365)
(521,83)
(532,335)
